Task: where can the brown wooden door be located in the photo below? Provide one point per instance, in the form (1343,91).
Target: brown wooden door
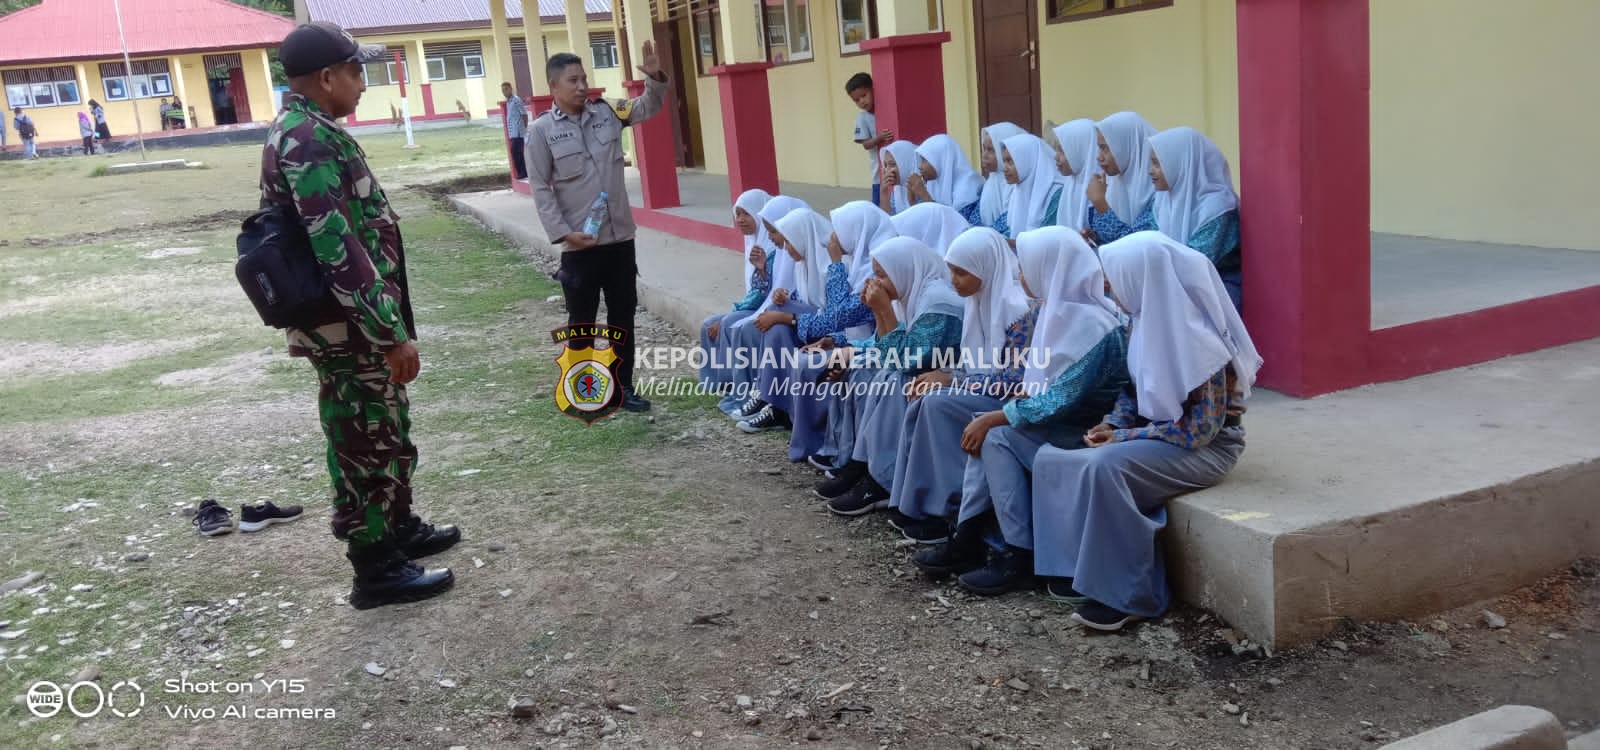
(668,35)
(523,75)
(1008,62)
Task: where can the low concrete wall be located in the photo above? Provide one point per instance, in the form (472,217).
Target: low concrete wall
(1503,728)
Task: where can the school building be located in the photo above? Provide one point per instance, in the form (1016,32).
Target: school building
(212,55)
(446,51)
(1442,137)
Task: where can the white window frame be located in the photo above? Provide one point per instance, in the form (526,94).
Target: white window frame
(467,61)
(441,74)
(847,48)
(160,84)
(611,47)
(789,16)
(50,91)
(121,81)
(19,95)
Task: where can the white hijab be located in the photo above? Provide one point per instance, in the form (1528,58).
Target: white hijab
(1184,327)
(905,160)
(1199,185)
(783,266)
(920,277)
(1078,143)
(752,201)
(1128,135)
(957,184)
(861,228)
(934,224)
(996,191)
(809,233)
(1001,301)
(1076,313)
(1037,173)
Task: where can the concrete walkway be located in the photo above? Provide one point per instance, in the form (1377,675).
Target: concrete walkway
(1381,502)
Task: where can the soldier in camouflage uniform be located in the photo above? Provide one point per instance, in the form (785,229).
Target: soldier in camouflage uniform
(364,359)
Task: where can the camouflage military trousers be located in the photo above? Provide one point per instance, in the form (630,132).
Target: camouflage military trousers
(367,420)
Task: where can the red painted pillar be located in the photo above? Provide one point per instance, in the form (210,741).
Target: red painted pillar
(1305,190)
(539,104)
(747,127)
(654,153)
(908,84)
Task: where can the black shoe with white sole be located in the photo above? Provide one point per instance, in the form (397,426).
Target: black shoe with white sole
(926,530)
(842,480)
(865,497)
(769,418)
(213,519)
(821,463)
(750,408)
(964,552)
(261,515)
(1061,590)
(1097,616)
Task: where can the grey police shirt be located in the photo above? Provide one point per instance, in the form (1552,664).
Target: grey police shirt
(573,158)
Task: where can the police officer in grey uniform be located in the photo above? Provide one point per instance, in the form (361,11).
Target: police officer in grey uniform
(574,153)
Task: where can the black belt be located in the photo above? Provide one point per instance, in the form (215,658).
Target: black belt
(1233,420)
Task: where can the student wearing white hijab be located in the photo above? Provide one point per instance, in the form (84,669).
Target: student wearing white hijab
(857,228)
(898,162)
(945,176)
(996,329)
(756,272)
(996,194)
(1076,367)
(1097,510)
(741,339)
(935,224)
(1076,152)
(803,233)
(1195,203)
(918,319)
(1122,193)
(1030,167)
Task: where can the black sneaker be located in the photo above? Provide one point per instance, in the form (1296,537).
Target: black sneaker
(261,515)
(1097,616)
(417,539)
(750,408)
(769,418)
(632,401)
(1061,590)
(926,530)
(842,481)
(1008,570)
(821,463)
(897,520)
(213,519)
(864,498)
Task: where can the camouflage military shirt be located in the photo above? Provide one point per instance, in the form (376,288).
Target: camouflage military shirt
(312,165)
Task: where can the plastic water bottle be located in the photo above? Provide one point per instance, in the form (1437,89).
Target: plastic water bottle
(597,216)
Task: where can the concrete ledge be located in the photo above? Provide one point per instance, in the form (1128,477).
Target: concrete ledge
(1504,728)
(1388,501)
(1590,741)
(146,166)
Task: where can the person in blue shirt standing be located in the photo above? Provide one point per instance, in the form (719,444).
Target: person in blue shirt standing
(516,113)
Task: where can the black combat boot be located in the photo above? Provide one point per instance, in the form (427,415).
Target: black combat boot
(385,576)
(1008,570)
(417,539)
(965,551)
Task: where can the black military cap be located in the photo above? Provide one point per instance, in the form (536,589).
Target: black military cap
(315,46)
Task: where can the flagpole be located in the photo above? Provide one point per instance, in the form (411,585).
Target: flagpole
(127,70)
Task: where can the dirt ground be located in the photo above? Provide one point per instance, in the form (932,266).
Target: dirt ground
(659,581)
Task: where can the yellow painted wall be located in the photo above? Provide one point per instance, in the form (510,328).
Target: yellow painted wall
(1483,121)
(61,123)
(1150,61)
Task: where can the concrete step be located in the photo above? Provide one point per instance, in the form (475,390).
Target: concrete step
(1383,502)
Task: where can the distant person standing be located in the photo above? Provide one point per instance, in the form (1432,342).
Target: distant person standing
(99,114)
(575,155)
(311,166)
(87,131)
(516,112)
(2,134)
(25,131)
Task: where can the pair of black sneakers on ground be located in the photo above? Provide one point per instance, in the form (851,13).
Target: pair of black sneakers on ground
(212,519)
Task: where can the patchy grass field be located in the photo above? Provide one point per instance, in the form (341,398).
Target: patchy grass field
(646,582)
